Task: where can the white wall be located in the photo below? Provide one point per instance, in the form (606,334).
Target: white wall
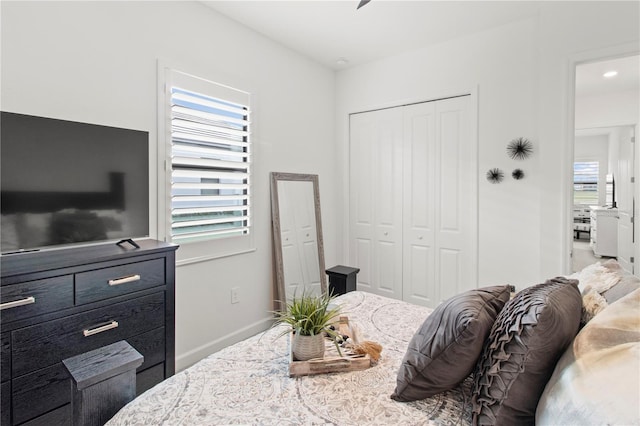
(521,71)
(96,62)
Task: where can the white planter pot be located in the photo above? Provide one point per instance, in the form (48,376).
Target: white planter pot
(305,348)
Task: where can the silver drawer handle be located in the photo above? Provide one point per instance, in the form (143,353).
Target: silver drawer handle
(91,331)
(27,301)
(124,280)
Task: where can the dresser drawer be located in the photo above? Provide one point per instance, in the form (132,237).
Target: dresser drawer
(151,345)
(33,298)
(122,279)
(47,389)
(44,344)
(59,416)
(5,356)
(5,404)
(38,392)
(149,378)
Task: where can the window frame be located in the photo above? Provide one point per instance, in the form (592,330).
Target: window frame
(193,251)
(596,183)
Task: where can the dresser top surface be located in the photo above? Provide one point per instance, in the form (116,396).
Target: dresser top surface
(49,259)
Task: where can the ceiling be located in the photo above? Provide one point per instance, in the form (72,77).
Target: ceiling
(590,80)
(329,30)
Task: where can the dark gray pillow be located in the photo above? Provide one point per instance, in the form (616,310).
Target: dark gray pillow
(526,340)
(444,350)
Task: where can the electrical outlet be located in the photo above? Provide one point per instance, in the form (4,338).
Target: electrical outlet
(234,295)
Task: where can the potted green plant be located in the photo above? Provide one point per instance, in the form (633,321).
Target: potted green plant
(309,318)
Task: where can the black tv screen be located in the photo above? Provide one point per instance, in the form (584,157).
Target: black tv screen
(64,182)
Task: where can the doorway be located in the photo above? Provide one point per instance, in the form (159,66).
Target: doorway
(604,163)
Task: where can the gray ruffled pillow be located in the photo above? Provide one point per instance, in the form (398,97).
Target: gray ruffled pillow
(526,340)
(445,349)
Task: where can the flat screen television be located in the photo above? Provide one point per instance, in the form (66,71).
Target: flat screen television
(67,183)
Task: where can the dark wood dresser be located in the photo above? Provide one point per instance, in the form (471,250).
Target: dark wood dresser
(64,302)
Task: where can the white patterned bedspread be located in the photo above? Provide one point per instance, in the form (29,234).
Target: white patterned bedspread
(248,383)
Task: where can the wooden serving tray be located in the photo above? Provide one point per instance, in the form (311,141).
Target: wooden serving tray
(332,362)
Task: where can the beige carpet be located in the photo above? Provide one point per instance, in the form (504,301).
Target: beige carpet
(583,255)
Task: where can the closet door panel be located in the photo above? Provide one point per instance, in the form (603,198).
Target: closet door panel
(387,269)
(361,208)
(376,197)
(418,283)
(388,198)
(419,213)
(362,256)
(450,173)
(456,197)
(450,273)
(388,205)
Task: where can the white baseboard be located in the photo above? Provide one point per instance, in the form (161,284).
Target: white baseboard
(191,357)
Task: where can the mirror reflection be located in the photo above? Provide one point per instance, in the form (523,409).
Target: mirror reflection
(297,233)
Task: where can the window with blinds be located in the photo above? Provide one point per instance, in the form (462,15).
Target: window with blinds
(585,182)
(210,164)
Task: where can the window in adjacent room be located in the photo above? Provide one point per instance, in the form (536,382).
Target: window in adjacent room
(208,146)
(585,182)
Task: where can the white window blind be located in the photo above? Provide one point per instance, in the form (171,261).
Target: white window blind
(210,165)
(585,182)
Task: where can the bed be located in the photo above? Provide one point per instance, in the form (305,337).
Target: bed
(249,383)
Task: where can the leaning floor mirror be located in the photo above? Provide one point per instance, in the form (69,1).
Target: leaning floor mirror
(297,235)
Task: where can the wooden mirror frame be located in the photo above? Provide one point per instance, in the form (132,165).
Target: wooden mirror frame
(276,177)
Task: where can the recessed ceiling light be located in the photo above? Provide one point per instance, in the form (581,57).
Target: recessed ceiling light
(610,74)
(342,61)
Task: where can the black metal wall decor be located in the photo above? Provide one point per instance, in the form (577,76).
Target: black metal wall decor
(520,148)
(495,175)
(517,174)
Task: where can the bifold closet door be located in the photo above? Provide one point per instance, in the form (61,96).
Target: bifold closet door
(376,200)
(413,201)
(439,203)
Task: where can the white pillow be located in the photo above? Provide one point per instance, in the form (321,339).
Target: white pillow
(596,380)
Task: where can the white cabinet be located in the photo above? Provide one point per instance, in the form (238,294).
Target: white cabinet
(604,231)
(413,195)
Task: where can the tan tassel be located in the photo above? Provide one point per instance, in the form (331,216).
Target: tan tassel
(367,347)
